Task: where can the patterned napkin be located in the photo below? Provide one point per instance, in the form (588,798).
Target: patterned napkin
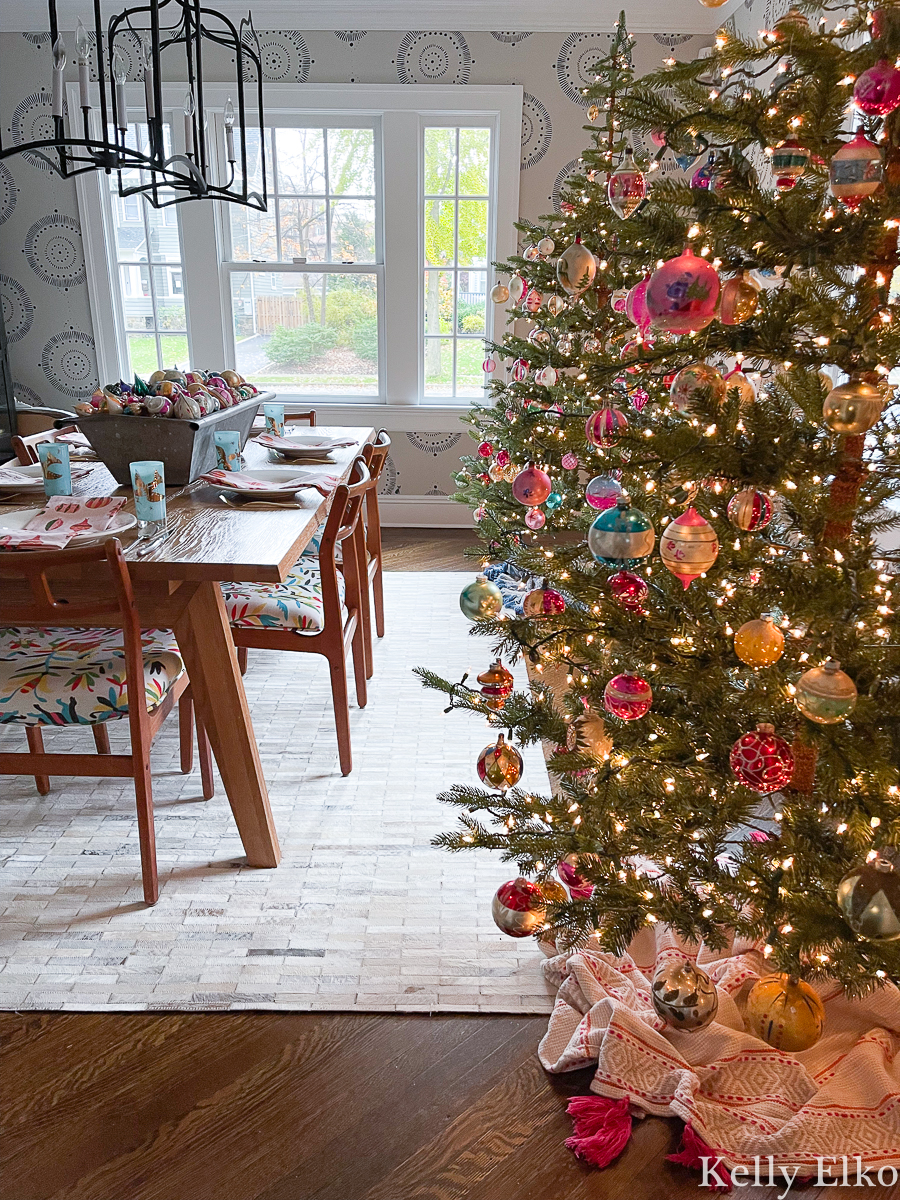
(271,442)
(242,481)
(60,520)
(75,438)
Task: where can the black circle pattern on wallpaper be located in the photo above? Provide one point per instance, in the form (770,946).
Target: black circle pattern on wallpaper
(434,490)
(37,39)
(18,311)
(389,483)
(578,55)
(434,443)
(575,167)
(284,55)
(350,36)
(129,44)
(675,39)
(510,36)
(70,363)
(9,193)
(32,121)
(54,251)
(434,58)
(537,130)
(26,395)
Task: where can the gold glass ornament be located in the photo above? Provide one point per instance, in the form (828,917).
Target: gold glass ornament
(785,1012)
(576,268)
(500,765)
(738,299)
(869,899)
(759,643)
(825,694)
(853,407)
(684,995)
(496,684)
(553,891)
(499,293)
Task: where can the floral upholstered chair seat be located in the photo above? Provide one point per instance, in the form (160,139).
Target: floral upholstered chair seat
(295,604)
(77,676)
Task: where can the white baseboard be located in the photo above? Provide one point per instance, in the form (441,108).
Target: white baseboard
(423,512)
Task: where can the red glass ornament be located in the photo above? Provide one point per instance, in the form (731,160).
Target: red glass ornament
(532,486)
(569,460)
(543,602)
(502,458)
(877,91)
(628,590)
(682,294)
(518,907)
(485,449)
(636,305)
(762,760)
(628,696)
(535,519)
(603,427)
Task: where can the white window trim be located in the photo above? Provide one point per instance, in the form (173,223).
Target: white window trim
(402,112)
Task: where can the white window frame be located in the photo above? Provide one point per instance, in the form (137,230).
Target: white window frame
(400,113)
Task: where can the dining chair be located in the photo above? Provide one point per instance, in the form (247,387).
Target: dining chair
(376,455)
(316,610)
(55,676)
(25,448)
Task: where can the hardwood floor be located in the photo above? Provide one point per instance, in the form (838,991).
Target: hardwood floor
(296,1106)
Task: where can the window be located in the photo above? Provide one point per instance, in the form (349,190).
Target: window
(367,279)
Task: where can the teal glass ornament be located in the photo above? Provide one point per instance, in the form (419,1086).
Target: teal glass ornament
(480,599)
(621,536)
(553,501)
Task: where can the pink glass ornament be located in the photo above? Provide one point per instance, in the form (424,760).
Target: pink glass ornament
(627,187)
(509,414)
(489,366)
(639,398)
(532,486)
(762,760)
(578,886)
(520,370)
(618,300)
(877,90)
(569,460)
(485,449)
(628,697)
(603,427)
(688,546)
(636,305)
(535,519)
(602,492)
(704,177)
(628,590)
(502,458)
(856,171)
(682,294)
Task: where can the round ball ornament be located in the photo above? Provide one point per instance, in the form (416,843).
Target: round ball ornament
(517,288)
(602,492)
(696,380)
(546,246)
(627,187)
(629,591)
(553,502)
(785,1013)
(738,300)
(546,376)
(856,171)
(793,21)
(759,643)
(621,536)
(499,293)
(576,268)
(853,407)
(688,546)
(569,461)
(489,366)
(628,697)
(682,294)
(869,899)
(530,253)
(684,996)
(499,765)
(712,3)
(762,760)
(749,510)
(543,602)
(535,519)
(480,599)
(520,370)
(788,160)
(532,486)
(485,450)
(826,694)
(745,389)
(603,427)
(636,305)
(518,908)
(496,684)
(495,472)
(877,90)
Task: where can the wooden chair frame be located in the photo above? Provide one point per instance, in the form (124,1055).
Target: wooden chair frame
(24,447)
(343,527)
(375,454)
(48,607)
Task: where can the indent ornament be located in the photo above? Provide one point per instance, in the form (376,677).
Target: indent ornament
(826,694)
(684,995)
(518,908)
(621,536)
(499,765)
(682,294)
(785,1012)
(869,899)
(576,268)
(759,643)
(636,305)
(762,760)
(688,546)
(750,510)
(481,599)
(628,697)
(853,407)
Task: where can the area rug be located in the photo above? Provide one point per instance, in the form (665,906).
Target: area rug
(362,913)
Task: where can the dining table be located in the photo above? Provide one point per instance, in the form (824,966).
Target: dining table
(177,586)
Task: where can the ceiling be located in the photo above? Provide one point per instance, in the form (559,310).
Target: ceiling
(587,16)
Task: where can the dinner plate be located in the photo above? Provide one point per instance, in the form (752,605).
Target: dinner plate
(36,478)
(20,517)
(308,445)
(275,476)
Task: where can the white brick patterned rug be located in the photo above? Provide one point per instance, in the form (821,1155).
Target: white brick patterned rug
(363,913)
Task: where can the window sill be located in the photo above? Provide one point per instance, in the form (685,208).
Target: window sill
(404,418)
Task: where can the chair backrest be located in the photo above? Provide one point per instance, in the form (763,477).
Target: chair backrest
(341,523)
(376,454)
(25,448)
(308,415)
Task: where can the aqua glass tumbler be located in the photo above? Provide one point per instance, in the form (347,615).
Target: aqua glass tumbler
(54,458)
(149,482)
(274,415)
(228,450)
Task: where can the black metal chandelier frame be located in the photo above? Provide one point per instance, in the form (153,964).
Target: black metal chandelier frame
(164,179)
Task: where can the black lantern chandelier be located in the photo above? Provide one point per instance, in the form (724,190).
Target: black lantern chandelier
(179,30)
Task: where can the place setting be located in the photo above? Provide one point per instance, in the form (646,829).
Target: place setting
(272,486)
(295,445)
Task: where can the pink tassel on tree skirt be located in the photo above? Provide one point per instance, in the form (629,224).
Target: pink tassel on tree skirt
(602,1128)
(693,1149)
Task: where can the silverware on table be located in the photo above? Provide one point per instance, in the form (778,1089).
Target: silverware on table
(151,543)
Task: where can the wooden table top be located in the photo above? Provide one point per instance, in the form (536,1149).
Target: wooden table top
(212,541)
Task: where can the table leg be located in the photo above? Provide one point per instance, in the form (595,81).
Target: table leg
(204,640)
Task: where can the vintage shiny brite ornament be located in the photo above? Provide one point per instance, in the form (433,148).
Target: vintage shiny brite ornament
(738,299)
(499,765)
(517,288)
(533,301)
(788,161)
(556,305)
(546,376)
(856,171)
(520,370)
(826,694)
(682,294)
(629,591)
(569,460)
(546,246)
(869,900)
(518,908)
(532,486)
(785,1012)
(853,407)
(762,760)
(627,187)
(496,684)
(636,305)
(621,536)
(603,427)
(749,510)
(499,293)
(553,502)
(759,643)
(697,379)
(688,546)
(684,995)
(736,379)
(535,519)
(576,268)
(480,599)
(602,492)
(628,696)
(543,602)
(877,90)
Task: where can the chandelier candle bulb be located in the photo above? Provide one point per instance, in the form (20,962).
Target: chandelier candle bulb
(228,118)
(59,64)
(120,74)
(82,50)
(189,122)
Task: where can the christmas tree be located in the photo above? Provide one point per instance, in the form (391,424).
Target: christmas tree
(694,455)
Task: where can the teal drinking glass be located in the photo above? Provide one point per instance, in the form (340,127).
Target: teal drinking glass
(149,482)
(274,414)
(228,450)
(54,458)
